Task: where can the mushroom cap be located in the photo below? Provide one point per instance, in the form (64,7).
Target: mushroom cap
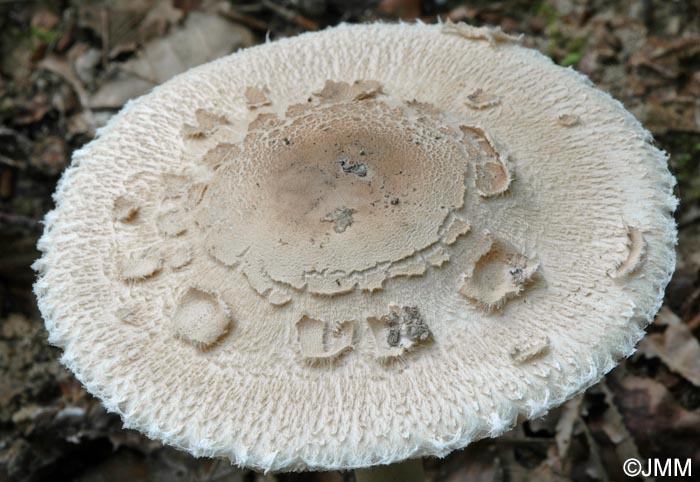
(356,246)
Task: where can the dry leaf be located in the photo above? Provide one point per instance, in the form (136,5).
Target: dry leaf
(660,425)
(677,348)
(202,38)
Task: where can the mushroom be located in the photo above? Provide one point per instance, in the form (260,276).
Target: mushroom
(356,247)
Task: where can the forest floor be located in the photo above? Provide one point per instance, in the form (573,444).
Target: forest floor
(67,66)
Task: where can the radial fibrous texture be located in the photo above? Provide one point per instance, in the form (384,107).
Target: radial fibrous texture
(356,246)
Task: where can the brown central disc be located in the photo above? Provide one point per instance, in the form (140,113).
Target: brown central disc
(338,187)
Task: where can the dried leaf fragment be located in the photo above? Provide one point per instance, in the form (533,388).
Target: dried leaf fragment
(256,98)
(479,99)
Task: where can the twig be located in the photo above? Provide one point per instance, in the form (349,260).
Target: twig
(104,17)
(291,15)
(627,447)
(11,162)
(17,220)
(61,68)
(693,323)
(229,12)
(6,183)
(594,451)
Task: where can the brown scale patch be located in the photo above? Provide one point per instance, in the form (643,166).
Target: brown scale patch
(528,348)
(267,122)
(320,341)
(279,297)
(334,283)
(492,176)
(200,318)
(220,154)
(256,97)
(179,257)
(478,144)
(261,283)
(455,228)
(493,35)
(414,266)
(229,254)
(358,90)
(336,179)
(500,273)
(436,256)
(172,222)
(125,208)
(635,248)
(206,124)
(482,100)
(176,186)
(372,281)
(139,266)
(568,120)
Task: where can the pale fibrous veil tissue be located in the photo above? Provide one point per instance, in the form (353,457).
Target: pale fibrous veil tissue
(356,246)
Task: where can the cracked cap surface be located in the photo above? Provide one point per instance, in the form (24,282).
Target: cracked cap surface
(403,241)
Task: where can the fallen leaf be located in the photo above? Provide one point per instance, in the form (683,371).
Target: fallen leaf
(202,38)
(570,413)
(60,67)
(403,9)
(676,347)
(660,425)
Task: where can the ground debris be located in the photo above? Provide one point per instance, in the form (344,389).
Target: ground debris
(161,58)
(65,67)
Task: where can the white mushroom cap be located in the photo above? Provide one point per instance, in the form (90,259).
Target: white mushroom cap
(356,246)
